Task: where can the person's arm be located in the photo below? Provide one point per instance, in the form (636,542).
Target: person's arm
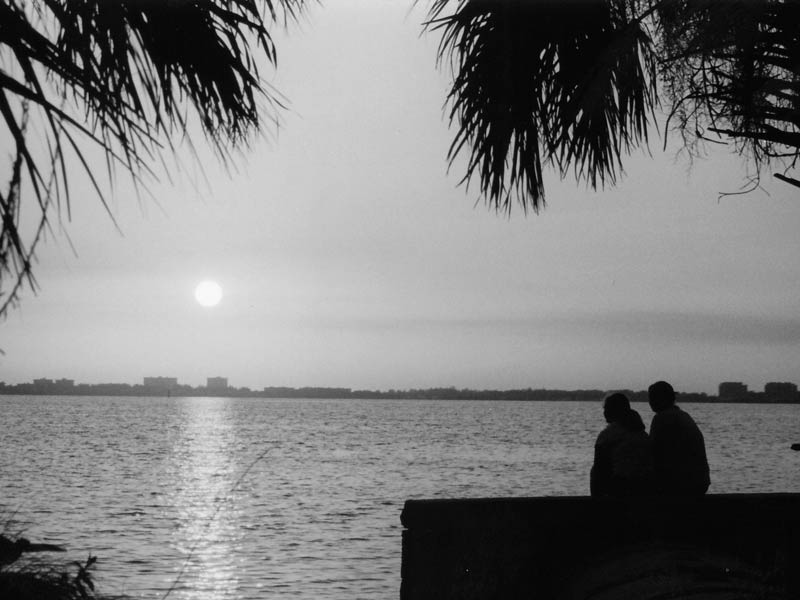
(658,437)
(600,475)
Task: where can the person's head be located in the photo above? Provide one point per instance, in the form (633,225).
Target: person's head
(661,396)
(615,406)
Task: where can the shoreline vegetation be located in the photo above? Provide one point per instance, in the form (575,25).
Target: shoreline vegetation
(783,393)
(23,579)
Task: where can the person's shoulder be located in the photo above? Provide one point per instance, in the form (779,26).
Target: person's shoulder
(683,415)
(640,441)
(665,419)
(669,414)
(612,433)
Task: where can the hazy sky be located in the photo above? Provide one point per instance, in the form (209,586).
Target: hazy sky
(349,256)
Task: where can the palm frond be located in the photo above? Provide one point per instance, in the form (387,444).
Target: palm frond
(121,74)
(732,68)
(538,83)
(573,85)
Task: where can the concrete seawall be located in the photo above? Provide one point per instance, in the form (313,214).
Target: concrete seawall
(716,546)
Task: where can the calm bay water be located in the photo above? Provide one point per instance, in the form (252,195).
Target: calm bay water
(251,498)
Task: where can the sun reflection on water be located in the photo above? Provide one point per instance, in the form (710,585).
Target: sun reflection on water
(302,499)
(207,531)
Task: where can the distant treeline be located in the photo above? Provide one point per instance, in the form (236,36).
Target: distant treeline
(67,388)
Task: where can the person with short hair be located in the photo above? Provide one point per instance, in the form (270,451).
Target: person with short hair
(679,450)
(623,459)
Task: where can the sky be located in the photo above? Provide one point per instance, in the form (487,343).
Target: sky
(349,256)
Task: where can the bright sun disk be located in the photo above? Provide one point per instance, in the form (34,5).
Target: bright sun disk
(208,293)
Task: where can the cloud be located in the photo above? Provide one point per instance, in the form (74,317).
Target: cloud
(697,327)
(653,327)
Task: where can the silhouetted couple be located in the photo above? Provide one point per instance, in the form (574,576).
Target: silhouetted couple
(629,462)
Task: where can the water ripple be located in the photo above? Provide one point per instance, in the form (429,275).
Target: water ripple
(162,487)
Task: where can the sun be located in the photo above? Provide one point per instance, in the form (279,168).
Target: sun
(208,293)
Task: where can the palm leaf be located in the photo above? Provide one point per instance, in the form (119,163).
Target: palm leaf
(573,85)
(544,83)
(733,69)
(128,76)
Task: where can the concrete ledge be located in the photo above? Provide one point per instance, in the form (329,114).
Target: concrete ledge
(571,547)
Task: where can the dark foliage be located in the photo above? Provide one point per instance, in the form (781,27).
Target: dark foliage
(570,85)
(29,582)
(574,84)
(541,83)
(731,71)
(127,76)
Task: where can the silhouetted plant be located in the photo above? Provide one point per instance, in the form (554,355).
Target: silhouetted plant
(567,84)
(731,69)
(36,582)
(574,84)
(122,75)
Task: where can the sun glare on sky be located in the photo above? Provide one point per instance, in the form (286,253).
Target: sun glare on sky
(380,271)
(208,293)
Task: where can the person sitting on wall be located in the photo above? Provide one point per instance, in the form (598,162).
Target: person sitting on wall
(679,450)
(623,458)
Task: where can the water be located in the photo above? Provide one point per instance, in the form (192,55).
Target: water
(252,498)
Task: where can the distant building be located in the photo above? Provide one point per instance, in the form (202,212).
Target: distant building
(65,383)
(780,392)
(43,382)
(161,383)
(217,383)
(731,391)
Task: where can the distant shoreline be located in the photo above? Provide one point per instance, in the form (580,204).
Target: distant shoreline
(312,393)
